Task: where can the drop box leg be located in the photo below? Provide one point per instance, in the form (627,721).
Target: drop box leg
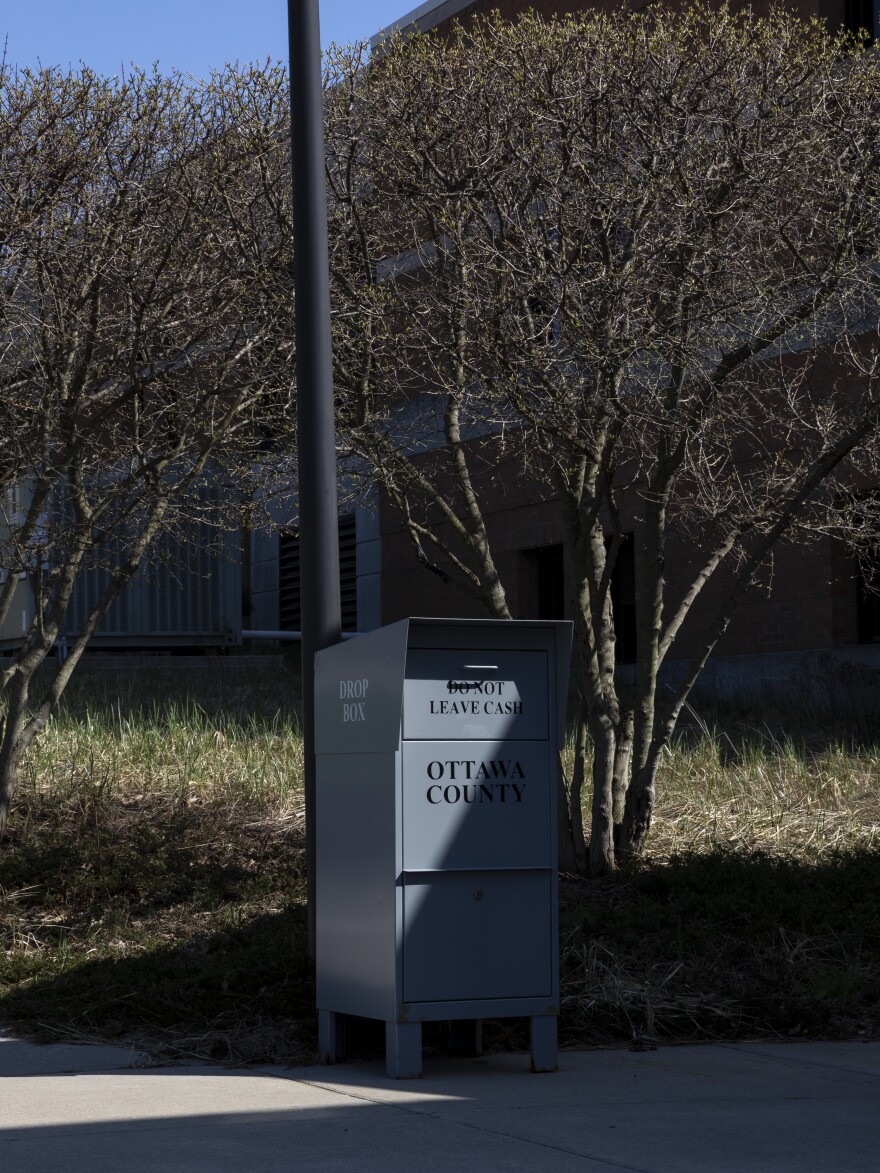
(403,1050)
(544,1056)
(331,1036)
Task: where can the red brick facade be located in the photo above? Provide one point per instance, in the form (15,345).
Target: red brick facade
(808,597)
(838,13)
(807,600)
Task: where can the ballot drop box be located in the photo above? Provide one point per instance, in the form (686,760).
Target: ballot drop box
(435,899)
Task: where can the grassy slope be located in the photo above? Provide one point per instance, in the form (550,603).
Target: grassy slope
(151,884)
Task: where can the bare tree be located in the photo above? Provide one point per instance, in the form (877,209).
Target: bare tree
(402,296)
(139,356)
(645,250)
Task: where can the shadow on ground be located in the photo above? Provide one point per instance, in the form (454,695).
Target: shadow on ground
(176,925)
(705,946)
(242,995)
(724,944)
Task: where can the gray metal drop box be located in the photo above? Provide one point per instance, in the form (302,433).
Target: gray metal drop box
(435,898)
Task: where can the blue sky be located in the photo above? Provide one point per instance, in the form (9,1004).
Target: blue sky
(192,35)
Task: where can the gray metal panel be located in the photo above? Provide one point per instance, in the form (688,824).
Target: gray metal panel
(264,548)
(358,692)
(504,634)
(18,619)
(229,573)
(189,591)
(183,592)
(485,693)
(474,935)
(92,581)
(355,891)
(477,1008)
(529,633)
(369,568)
(477,804)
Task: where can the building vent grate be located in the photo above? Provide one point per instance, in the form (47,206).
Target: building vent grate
(290,598)
(184,591)
(91,583)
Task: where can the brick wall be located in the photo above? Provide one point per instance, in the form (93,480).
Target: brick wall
(806,599)
(832,11)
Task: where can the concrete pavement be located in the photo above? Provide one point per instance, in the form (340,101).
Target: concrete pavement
(798,1107)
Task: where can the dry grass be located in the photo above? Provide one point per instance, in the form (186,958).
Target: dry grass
(118,740)
(730,783)
(754,909)
(760,796)
(151,885)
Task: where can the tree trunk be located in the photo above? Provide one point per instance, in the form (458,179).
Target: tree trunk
(576,791)
(572,847)
(602,860)
(10,761)
(622,759)
(21,725)
(566,861)
(14,742)
(639,809)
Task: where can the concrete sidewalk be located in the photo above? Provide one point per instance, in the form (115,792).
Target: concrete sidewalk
(741,1107)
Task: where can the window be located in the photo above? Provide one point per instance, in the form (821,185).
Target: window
(868,603)
(545,598)
(551,582)
(862,16)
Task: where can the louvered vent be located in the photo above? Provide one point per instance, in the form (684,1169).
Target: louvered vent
(289,602)
(348,572)
(289,606)
(92,580)
(184,583)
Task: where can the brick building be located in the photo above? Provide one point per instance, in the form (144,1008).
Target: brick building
(811,612)
(854,15)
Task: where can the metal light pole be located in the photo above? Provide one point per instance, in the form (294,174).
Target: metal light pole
(316,443)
